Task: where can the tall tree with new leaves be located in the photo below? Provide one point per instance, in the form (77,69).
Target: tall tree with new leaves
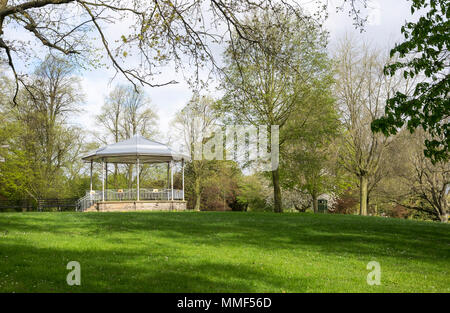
(49,143)
(265,86)
(308,160)
(191,124)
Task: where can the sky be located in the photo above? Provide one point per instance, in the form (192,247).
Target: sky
(383,29)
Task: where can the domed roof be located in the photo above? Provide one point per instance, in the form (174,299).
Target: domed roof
(127,151)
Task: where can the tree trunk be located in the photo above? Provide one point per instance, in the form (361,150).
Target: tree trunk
(444,217)
(363,195)
(197,194)
(315,204)
(276,191)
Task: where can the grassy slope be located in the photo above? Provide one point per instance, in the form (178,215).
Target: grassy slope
(221,252)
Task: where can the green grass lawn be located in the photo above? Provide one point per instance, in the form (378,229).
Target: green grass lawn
(220,252)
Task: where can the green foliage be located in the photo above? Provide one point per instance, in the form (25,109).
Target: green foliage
(215,185)
(308,161)
(220,187)
(253,193)
(272,86)
(78,185)
(44,148)
(15,170)
(424,52)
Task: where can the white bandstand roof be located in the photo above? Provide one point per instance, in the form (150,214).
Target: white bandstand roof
(128,151)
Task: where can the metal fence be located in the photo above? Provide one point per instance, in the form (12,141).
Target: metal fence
(57,205)
(18,205)
(41,205)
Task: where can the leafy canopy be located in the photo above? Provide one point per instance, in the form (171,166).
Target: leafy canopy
(424,52)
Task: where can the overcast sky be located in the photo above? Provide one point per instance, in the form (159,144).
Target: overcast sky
(385,19)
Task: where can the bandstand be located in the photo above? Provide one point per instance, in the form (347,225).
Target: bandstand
(138,151)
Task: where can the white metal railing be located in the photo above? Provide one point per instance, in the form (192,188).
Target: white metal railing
(87,201)
(126,195)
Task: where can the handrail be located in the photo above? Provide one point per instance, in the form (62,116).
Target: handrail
(86,202)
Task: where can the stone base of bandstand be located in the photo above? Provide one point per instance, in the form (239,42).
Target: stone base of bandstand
(134,206)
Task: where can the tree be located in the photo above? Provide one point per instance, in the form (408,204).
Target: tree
(127,112)
(424,52)
(15,172)
(111,117)
(361,91)
(418,184)
(431,182)
(264,87)
(191,123)
(46,142)
(138,115)
(253,193)
(111,114)
(157,31)
(307,162)
(220,188)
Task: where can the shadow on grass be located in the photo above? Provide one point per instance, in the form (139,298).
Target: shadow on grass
(150,252)
(44,270)
(329,234)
